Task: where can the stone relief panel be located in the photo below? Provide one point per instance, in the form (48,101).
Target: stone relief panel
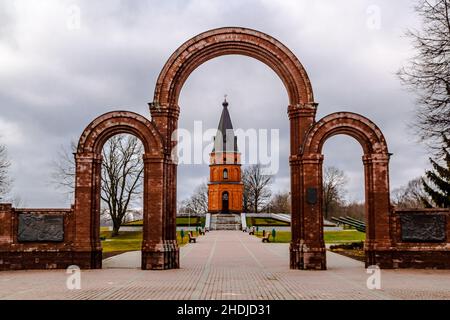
(423,227)
(40,228)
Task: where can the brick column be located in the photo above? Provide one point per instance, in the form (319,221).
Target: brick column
(312,245)
(165,119)
(87,246)
(301,118)
(158,252)
(378,229)
(6,226)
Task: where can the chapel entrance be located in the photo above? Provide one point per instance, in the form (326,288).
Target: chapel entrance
(225,202)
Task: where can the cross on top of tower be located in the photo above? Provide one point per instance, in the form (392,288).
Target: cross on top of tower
(225,102)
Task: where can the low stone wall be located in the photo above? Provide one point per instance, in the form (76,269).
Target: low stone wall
(35,238)
(183,214)
(44,239)
(421,239)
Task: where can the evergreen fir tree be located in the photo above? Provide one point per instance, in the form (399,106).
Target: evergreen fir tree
(437,182)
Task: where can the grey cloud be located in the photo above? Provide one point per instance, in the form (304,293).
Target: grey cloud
(58,80)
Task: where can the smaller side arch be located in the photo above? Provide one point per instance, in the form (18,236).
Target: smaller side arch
(159,251)
(310,243)
(116,122)
(357,126)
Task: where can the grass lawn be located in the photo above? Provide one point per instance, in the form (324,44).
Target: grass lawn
(128,241)
(193,221)
(344,236)
(357,254)
(181,221)
(266,222)
(132,240)
(136,223)
(330,236)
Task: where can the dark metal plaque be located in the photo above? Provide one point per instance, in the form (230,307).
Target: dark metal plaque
(423,227)
(40,228)
(311,195)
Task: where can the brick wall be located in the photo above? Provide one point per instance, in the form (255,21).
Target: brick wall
(15,254)
(415,253)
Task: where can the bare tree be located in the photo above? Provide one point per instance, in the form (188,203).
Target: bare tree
(280,203)
(198,202)
(334,182)
(256,188)
(5,181)
(63,174)
(410,196)
(122,172)
(354,209)
(247,202)
(428,71)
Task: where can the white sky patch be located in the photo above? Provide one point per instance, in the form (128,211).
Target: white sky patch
(10,133)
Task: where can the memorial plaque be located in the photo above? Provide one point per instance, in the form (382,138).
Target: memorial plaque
(311,195)
(40,228)
(423,227)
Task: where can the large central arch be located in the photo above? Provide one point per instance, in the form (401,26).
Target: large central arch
(241,41)
(226,41)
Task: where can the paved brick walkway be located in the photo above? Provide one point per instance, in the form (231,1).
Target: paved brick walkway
(227,265)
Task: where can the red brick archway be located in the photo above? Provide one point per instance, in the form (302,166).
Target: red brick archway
(87,192)
(225,41)
(376,172)
(395,238)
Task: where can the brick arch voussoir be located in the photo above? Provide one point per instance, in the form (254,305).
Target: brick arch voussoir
(220,50)
(120,122)
(232,40)
(347,123)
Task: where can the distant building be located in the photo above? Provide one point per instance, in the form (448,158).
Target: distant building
(225,188)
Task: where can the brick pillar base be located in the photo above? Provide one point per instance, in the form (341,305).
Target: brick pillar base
(161,256)
(96,259)
(409,259)
(295,257)
(306,258)
(42,259)
(87,259)
(382,259)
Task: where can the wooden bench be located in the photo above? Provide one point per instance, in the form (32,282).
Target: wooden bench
(252,232)
(266,237)
(191,237)
(201,232)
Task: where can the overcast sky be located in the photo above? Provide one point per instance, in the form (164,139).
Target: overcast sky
(57,75)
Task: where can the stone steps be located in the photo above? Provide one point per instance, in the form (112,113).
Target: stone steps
(226,222)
